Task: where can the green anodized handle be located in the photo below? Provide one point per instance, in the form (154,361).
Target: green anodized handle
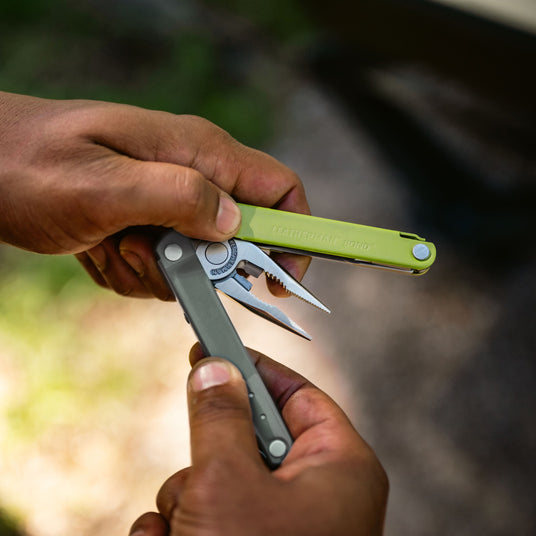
(336,239)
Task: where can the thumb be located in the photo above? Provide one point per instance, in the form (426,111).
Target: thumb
(221,426)
(175,196)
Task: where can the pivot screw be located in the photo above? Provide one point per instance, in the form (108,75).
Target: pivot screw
(421,252)
(216,253)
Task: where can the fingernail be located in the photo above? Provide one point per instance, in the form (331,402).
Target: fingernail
(211,374)
(229,216)
(133,261)
(98,256)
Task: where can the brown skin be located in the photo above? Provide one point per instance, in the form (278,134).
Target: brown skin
(331,483)
(77,176)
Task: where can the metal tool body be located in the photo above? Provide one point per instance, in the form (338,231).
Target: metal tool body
(194,269)
(221,262)
(177,259)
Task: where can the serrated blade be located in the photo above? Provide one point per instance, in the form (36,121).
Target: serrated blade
(259,258)
(235,290)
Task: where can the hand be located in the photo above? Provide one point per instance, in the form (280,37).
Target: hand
(331,483)
(75,176)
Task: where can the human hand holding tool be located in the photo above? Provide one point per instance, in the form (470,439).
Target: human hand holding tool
(76,175)
(193,269)
(331,482)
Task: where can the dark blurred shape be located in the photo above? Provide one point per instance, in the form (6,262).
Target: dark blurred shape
(449,98)
(494,60)
(8,526)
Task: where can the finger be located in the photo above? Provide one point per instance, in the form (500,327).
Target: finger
(171,196)
(303,405)
(221,425)
(196,354)
(137,249)
(126,264)
(168,497)
(305,408)
(119,275)
(149,524)
(281,381)
(322,432)
(249,175)
(91,269)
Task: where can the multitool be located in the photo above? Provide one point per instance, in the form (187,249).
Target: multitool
(195,269)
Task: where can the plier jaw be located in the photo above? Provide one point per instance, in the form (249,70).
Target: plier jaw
(222,263)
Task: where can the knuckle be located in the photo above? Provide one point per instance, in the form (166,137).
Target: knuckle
(100,282)
(383,479)
(203,125)
(116,283)
(377,474)
(211,478)
(205,484)
(191,192)
(124,290)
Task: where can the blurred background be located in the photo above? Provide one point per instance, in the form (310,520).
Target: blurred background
(416,115)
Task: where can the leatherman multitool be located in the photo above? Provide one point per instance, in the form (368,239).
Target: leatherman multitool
(194,269)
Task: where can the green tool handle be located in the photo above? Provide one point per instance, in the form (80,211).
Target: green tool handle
(311,235)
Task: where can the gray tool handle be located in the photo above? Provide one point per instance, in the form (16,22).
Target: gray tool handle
(185,276)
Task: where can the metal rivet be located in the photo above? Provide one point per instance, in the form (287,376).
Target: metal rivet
(421,252)
(277,448)
(173,252)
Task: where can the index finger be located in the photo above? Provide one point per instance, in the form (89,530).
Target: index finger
(252,177)
(248,175)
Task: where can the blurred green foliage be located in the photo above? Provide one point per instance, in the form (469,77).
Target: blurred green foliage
(44,303)
(154,54)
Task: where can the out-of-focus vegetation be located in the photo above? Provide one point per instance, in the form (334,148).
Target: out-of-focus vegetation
(58,372)
(284,21)
(175,56)
(45,312)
